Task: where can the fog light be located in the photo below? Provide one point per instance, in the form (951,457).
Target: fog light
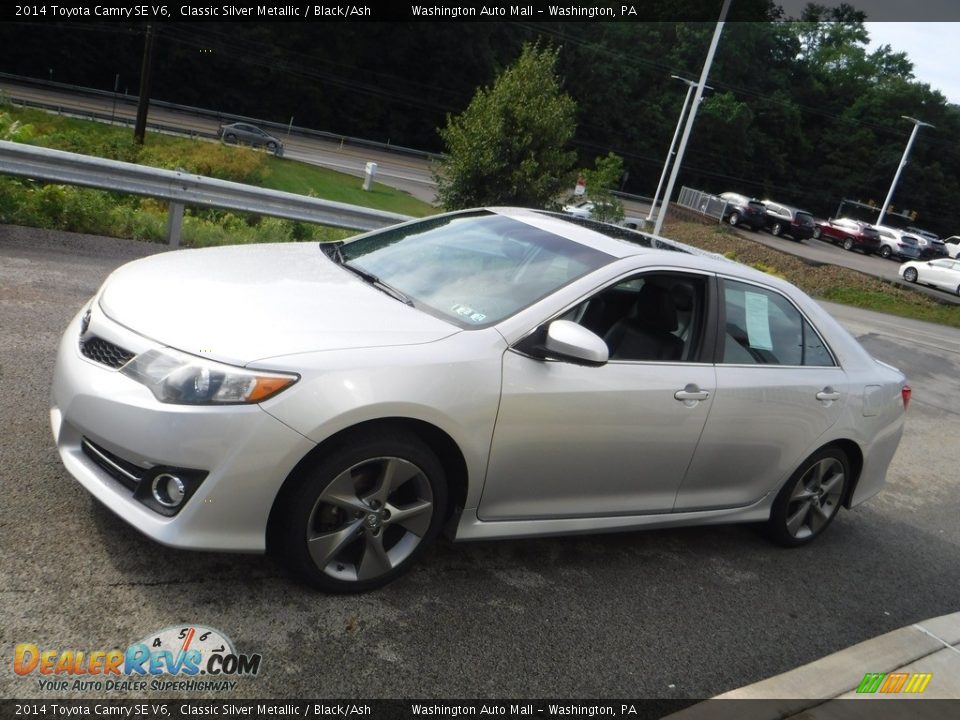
(168,490)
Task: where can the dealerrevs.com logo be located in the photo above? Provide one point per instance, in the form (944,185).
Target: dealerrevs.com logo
(180,657)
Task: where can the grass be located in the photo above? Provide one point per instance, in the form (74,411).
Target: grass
(304,179)
(826,282)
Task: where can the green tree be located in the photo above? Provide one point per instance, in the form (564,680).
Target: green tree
(510,146)
(601,181)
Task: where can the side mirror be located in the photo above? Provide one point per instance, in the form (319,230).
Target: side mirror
(569,341)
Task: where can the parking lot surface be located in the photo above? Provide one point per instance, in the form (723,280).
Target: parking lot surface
(663,614)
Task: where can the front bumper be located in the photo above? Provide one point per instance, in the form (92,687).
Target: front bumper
(246,453)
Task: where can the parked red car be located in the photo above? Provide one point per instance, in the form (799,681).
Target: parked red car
(851,234)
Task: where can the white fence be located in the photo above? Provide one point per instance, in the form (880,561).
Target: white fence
(704,203)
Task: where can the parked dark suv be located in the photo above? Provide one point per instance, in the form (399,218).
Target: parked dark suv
(790,221)
(742,210)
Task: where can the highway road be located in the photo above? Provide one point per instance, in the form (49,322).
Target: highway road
(661,614)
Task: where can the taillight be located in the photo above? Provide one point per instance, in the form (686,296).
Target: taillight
(906,393)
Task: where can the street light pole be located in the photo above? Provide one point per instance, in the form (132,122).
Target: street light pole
(704,74)
(676,133)
(903,162)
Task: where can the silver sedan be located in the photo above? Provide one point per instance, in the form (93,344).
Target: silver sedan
(491,374)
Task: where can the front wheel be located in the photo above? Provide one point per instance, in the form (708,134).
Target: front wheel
(230,139)
(885,252)
(816,233)
(810,499)
(364,513)
(734,219)
(777,229)
(910,274)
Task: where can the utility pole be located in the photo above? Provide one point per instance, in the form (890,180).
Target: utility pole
(146,69)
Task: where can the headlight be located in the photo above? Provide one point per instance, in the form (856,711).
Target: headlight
(175,377)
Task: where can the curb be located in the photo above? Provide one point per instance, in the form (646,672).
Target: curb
(929,646)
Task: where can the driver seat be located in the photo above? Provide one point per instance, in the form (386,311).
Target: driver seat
(647,333)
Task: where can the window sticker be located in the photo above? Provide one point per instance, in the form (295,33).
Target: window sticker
(758,321)
(468,313)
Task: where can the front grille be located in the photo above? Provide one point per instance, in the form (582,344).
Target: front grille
(105,353)
(123,471)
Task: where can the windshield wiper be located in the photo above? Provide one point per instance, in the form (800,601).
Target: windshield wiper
(378,283)
(334,251)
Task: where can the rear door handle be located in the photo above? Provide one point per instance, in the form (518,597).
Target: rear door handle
(828,394)
(691,395)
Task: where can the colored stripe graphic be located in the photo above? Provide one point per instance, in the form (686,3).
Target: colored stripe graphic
(893,683)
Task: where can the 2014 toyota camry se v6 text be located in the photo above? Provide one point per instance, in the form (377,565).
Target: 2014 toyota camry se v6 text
(495,373)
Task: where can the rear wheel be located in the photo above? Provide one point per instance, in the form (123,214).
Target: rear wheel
(364,512)
(810,500)
(910,274)
(848,244)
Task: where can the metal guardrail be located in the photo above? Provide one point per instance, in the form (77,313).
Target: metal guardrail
(710,205)
(181,189)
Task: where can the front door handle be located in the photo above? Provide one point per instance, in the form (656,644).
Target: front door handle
(691,395)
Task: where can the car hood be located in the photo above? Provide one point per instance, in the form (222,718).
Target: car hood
(243,303)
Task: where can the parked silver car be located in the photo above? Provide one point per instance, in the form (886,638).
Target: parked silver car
(247,134)
(897,244)
(496,373)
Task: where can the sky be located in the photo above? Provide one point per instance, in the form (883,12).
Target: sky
(932,48)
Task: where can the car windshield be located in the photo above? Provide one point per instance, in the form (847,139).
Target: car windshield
(474,269)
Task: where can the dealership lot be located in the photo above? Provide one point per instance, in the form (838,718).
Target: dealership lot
(682,613)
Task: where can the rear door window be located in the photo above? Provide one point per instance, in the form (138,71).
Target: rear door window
(762,327)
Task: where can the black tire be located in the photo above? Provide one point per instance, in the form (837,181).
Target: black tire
(734,219)
(848,245)
(810,499)
(816,233)
(342,530)
(910,274)
(272,147)
(230,139)
(885,252)
(776,229)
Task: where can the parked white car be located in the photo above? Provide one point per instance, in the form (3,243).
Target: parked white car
(498,373)
(943,273)
(952,244)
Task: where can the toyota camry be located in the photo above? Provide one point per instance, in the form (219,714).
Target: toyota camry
(496,373)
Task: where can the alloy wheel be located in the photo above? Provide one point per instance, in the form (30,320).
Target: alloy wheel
(369,519)
(815,498)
